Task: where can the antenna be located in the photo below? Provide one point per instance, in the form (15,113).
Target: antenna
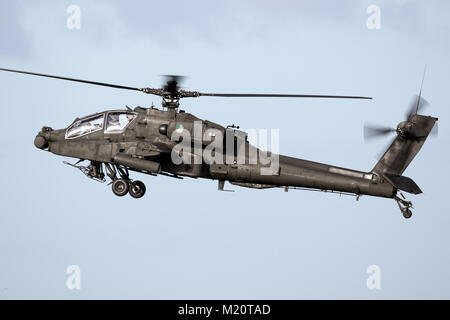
(420,92)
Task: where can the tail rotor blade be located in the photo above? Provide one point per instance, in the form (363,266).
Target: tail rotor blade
(373,131)
(418,103)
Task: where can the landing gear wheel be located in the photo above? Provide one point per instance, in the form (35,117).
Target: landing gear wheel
(404,206)
(120,187)
(407,213)
(137,189)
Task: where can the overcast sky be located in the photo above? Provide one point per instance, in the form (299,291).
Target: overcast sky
(185,239)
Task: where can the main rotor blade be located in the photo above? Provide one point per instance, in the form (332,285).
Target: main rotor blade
(172,89)
(73,79)
(265,95)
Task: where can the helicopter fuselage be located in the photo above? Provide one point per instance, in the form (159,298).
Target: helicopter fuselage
(146,144)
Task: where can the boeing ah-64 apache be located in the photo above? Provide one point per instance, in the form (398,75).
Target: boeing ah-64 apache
(119,141)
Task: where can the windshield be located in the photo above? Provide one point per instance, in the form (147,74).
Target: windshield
(117,121)
(85,126)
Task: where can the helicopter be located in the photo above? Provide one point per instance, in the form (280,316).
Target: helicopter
(171,142)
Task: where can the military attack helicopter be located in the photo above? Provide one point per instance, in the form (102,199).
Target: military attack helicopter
(148,140)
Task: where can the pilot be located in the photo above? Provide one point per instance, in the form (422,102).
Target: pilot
(130,117)
(113,122)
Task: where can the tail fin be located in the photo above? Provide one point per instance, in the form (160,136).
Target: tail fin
(411,136)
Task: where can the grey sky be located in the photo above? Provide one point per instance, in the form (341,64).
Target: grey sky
(13,36)
(185,239)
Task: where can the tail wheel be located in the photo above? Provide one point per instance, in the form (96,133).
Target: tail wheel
(137,189)
(120,187)
(407,213)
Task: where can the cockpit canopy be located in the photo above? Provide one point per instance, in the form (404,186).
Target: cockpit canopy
(116,122)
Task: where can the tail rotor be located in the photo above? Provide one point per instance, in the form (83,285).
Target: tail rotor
(417,105)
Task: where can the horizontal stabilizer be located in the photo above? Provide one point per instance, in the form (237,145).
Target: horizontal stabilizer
(403,183)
